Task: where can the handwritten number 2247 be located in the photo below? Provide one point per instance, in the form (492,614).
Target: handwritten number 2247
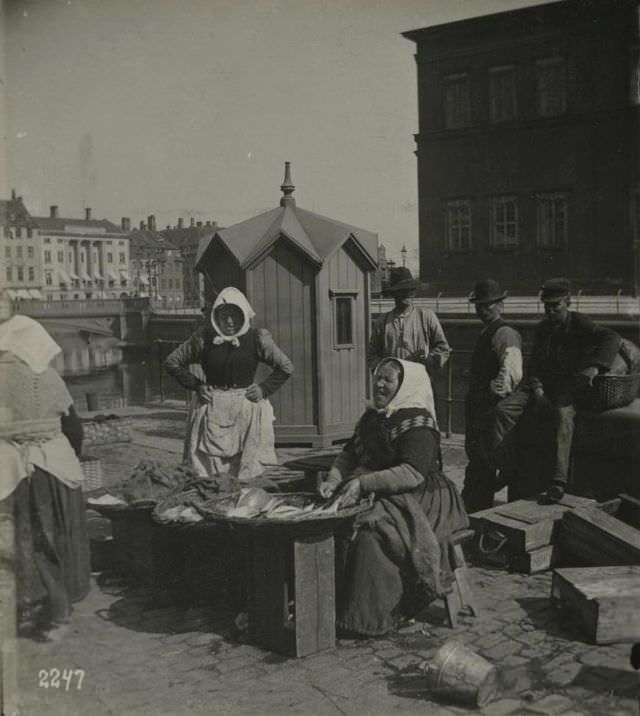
(56,679)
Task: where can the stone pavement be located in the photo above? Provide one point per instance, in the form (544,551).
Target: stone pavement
(139,651)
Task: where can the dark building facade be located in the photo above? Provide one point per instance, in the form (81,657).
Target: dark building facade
(528,147)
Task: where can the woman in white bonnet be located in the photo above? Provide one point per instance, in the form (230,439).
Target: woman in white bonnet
(231,432)
(40,483)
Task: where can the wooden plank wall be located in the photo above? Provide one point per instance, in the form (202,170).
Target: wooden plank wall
(282,294)
(344,370)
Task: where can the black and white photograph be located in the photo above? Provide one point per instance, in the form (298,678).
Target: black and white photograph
(319,357)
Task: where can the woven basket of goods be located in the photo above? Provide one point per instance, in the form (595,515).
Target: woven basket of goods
(106,429)
(615,391)
(92,468)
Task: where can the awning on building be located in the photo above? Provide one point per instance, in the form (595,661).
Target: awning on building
(113,276)
(124,275)
(73,276)
(97,276)
(23,293)
(84,276)
(64,277)
(35,293)
(144,279)
(12,294)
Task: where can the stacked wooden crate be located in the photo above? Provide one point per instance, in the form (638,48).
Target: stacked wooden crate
(530,530)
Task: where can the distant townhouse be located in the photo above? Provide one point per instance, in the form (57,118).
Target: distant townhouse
(156,265)
(83,258)
(20,252)
(528,147)
(187,239)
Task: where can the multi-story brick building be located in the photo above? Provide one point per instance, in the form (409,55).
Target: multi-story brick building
(528,147)
(83,258)
(187,239)
(156,265)
(20,252)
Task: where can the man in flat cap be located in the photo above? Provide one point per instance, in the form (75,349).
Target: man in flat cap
(408,332)
(492,405)
(569,350)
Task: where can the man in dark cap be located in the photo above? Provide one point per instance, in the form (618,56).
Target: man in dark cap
(492,407)
(408,332)
(569,350)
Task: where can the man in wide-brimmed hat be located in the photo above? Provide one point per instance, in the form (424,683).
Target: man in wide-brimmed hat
(492,406)
(408,332)
(569,350)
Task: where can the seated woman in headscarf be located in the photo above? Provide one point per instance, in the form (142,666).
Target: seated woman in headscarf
(40,483)
(231,432)
(400,557)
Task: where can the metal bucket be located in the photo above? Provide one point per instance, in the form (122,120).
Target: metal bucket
(459,674)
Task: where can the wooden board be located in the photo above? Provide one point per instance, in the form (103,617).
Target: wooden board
(629,510)
(605,599)
(538,560)
(599,538)
(517,520)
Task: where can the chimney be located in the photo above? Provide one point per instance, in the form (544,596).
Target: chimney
(180,222)
(193,222)
(287,187)
(199,224)
(151,221)
(207,223)
(168,227)
(13,194)
(125,223)
(87,214)
(142,226)
(53,211)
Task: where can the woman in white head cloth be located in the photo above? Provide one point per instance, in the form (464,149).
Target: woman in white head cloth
(232,430)
(40,482)
(400,557)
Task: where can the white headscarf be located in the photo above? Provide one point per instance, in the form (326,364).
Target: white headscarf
(233,297)
(29,341)
(415,389)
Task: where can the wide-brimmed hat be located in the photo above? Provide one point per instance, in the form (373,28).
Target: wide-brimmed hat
(487,291)
(554,289)
(401,279)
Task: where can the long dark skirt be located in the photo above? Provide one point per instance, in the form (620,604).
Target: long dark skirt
(377,584)
(51,560)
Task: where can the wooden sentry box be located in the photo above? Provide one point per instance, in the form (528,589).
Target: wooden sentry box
(604,599)
(308,279)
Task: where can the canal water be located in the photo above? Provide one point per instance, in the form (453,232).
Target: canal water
(139,379)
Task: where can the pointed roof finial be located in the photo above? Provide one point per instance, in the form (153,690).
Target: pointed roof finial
(287,187)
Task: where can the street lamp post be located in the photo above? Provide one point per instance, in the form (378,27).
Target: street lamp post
(403,253)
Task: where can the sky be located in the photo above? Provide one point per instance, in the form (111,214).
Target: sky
(191,107)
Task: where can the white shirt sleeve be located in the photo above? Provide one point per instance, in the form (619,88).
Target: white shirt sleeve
(507,344)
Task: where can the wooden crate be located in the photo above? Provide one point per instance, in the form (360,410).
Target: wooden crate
(526,524)
(599,539)
(292,592)
(604,599)
(537,560)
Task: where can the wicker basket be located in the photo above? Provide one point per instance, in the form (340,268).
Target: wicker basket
(615,391)
(105,432)
(92,468)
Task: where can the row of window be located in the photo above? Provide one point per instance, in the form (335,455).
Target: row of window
(48,279)
(122,257)
(18,232)
(31,274)
(551,222)
(170,283)
(551,93)
(19,252)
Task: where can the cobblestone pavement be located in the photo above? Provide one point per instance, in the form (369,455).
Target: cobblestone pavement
(142,651)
